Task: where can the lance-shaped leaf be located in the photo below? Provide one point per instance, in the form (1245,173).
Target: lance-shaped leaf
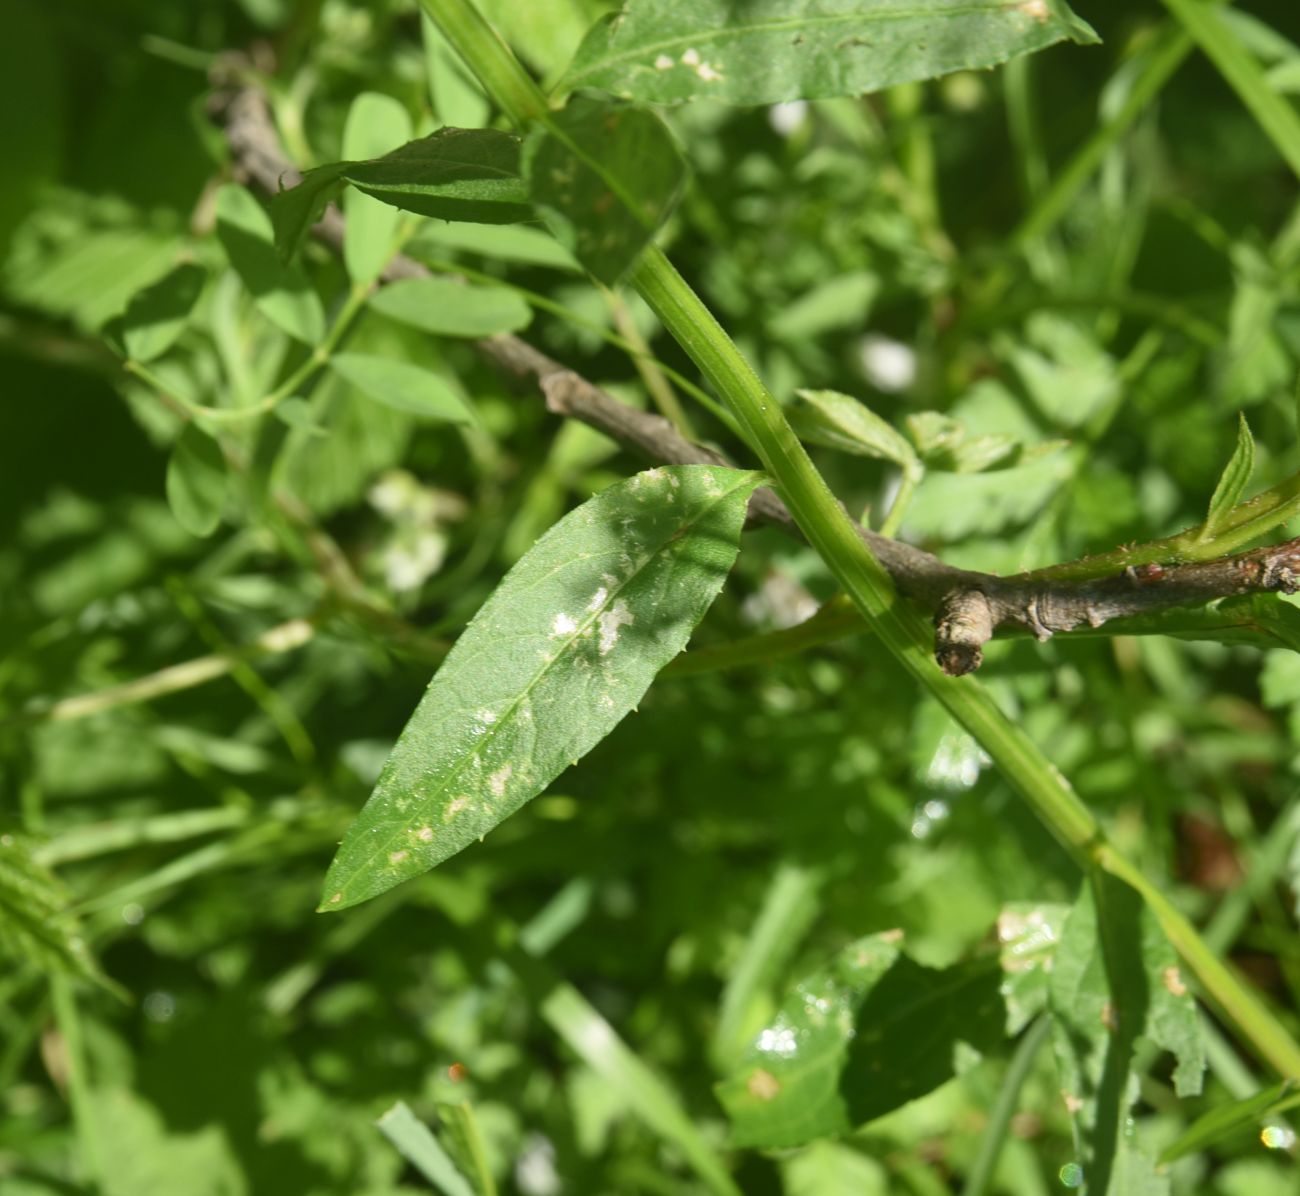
(1233,481)
(842,422)
(453,174)
(604,177)
(868,1033)
(449,308)
(375,124)
(562,650)
(1115,980)
(766,51)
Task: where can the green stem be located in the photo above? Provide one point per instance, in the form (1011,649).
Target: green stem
(68,1019)
(1004,1108)
(833,536)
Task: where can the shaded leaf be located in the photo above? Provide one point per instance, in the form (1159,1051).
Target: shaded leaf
(1233,481)
(604,177)
(449,308)
(453,174)
(866,1034)
(842,422)
(767,51)
(156,316)
(197,480)
(281,292)
(561,651)
(401,385)
(1234,1117)
(375,124)
(1116,979)
(34,925)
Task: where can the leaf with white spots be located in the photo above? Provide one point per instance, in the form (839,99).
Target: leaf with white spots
(860,1037)
(767,51)
(565,647)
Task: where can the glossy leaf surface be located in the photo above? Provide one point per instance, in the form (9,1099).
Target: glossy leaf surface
(604,177)
(766,51)
(564,648)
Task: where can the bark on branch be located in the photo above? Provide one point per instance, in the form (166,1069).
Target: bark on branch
(969,607)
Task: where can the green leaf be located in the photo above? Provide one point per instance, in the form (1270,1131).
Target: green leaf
(418,1145)
(457,98)
(1225,1120)
(1233,482)
(766,51)
(857,1039)
(1116,979)
(375,124)
(842,422)
(505,242)
(403,386)
(197,481)
(1027,937)
(34,925)
(281,292)
(448,308)
(564,648)
(297,413)
(604,177)
(156,316)
(453,174)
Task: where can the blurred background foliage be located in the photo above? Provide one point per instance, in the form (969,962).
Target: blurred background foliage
(900,248)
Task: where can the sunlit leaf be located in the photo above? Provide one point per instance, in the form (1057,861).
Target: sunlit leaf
(1233,481)
(1116,979)
(401,385)
(563,649)
(1237,1116)
(842,422)
(604,177)
(375,124)
(420,1147)
(866,1034)
(448,308)
(766,51)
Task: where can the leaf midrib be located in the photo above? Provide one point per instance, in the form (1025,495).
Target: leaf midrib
(710,36)
(493,729)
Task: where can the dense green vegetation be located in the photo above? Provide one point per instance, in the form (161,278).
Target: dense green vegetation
(795,911)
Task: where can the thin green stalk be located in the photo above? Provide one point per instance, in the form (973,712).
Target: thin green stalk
(833,536)
(1272,111)
(1004,1108)
(68,1019)
(1065,188)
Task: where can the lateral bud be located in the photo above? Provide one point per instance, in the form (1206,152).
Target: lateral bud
(963,624)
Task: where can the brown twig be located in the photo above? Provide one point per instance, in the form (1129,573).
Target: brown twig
(969,606)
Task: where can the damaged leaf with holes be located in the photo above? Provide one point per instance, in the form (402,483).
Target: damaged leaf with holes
(565,647)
